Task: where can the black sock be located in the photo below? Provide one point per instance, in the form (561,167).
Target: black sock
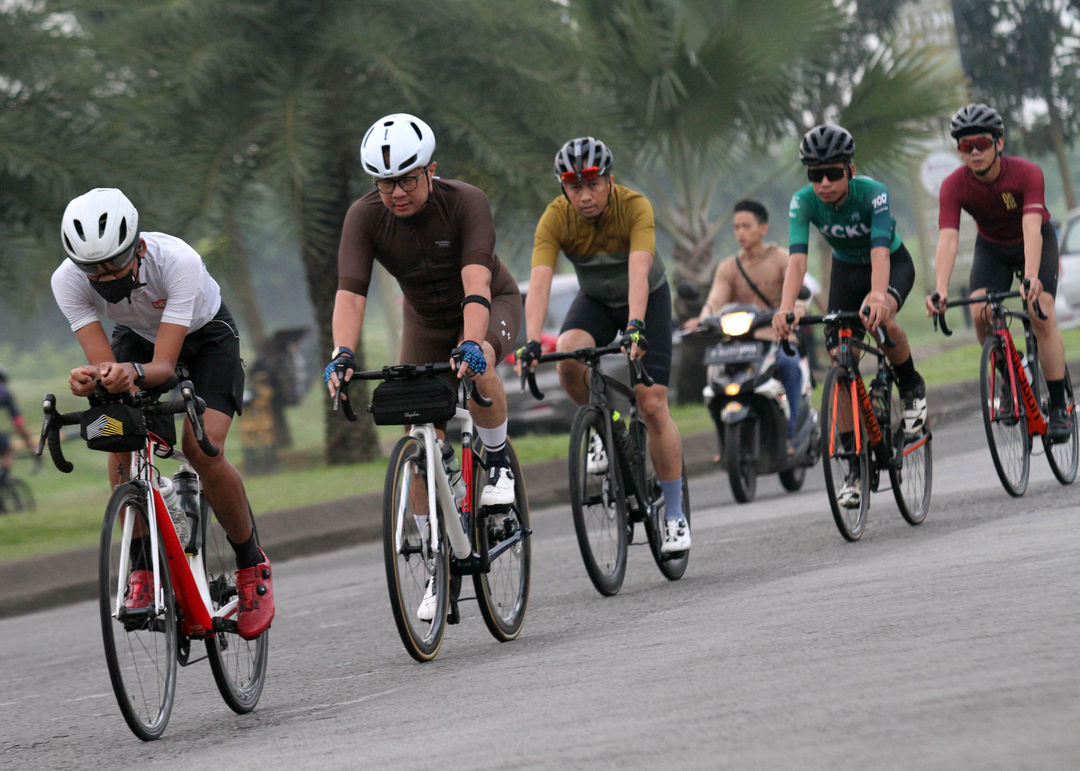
(906,376)
(248,553)
(1056,388)
(496,456)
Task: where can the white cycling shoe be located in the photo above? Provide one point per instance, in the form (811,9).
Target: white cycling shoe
(499,491)
(676,536)
(596,462)
(426,611)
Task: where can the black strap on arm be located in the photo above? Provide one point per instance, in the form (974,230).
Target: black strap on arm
(753,286)
(476,298)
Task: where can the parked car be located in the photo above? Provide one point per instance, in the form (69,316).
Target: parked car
(556,411)
(1068,294)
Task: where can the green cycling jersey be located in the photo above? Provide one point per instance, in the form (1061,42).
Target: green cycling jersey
(861,222)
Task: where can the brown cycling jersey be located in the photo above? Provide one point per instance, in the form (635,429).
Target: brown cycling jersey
(998,207)
(424,252)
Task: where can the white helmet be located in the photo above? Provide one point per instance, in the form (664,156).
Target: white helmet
(395,145)
(100,229)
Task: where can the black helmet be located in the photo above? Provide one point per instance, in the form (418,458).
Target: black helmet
(826,143)
(977,118)
(579,155)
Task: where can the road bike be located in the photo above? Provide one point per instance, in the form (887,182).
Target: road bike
(193,587)
(607,503)
(15,494)
(1014,398)
(459,538)
(862,432)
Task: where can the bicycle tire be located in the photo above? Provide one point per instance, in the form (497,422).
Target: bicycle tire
(409,568)
(1004,419)
(838,460)
(792,479)
(1062,456)
(672,566)
(598,505)
(140,646)
(238,665)
(912,475)
(19,496)
(740,457)
(503,592)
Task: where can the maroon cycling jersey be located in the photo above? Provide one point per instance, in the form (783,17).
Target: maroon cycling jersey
(424,252)
(998,208)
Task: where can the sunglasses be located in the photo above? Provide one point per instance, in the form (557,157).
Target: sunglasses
(982,144)
(592,172)
(110,266)
(832,173)
(408,184)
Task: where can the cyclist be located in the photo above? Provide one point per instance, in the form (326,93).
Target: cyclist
(755,276)
(437,238)
(1005,196)
(7,402)
(870,264)
(166,308)
(608,234)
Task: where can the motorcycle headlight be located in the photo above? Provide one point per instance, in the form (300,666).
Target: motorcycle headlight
(736,324)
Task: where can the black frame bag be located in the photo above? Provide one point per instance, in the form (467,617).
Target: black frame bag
(113,427)
(409,401)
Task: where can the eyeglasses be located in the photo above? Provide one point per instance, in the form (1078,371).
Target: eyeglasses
(982,144)
(591,172)
(831,173)
(408,184)
(110,266)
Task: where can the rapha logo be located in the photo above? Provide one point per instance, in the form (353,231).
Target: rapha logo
(442,244)
(104,426)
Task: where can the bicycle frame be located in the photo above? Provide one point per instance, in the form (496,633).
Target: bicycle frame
(1018,381)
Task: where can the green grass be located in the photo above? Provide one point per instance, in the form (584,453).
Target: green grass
(70,506)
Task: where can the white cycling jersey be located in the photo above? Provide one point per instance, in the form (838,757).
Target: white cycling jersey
(178,290)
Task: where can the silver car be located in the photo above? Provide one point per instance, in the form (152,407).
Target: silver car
(1068,294)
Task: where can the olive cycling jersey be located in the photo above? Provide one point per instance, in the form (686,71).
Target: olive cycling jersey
(862,222)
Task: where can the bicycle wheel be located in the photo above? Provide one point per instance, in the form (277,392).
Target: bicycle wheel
(140,644)
(410,562)
(672,566)
(843,462)
(239,665)
(1063,455)
(740,457)
(598,504)
(16,496)
(1004,419)
(502,534)
(913,477)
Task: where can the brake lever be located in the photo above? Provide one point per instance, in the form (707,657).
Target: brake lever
(939,318)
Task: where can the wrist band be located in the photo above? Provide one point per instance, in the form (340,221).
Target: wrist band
(476,298)
(637,324)
(342,349)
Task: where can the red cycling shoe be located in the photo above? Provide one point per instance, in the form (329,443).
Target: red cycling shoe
(255,590)
(140,590)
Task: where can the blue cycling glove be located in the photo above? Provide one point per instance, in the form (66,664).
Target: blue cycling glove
(472,354)
(340,364)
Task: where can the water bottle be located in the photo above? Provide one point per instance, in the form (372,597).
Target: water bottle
(453,472)
(186,484)
(176,512)
(1027,368)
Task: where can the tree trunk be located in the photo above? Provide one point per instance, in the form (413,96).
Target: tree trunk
(695,266)
(320,231)
(239,272)
(1057,139)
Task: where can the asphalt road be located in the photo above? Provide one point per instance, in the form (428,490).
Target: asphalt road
(952,644)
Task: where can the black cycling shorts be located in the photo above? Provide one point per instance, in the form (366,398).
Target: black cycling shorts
(849,284)
(605,323)
(994,266)
(212,356)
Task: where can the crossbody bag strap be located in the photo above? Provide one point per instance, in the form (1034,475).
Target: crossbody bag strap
(753,286)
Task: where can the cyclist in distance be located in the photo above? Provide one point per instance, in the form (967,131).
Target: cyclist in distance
(608,234)
(1005,196)
(870,264)
(437,238)
(7,402)
(166,308)
(763,264)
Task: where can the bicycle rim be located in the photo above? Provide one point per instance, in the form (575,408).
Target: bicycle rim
(1004,419)
(503,592)
(140,645)
(913,478)
(1062,455)
(672,566)
(239,665)
(598,504)
(410,564)
(841,458)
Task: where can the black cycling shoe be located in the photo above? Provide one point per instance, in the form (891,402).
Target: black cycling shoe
(1060,428)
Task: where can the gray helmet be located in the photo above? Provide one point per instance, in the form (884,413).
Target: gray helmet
(578,156)
(977,118)
(826,143)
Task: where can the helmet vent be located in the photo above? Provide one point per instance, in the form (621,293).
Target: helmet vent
(103,220)
(79,230)
(407,162)
(123,230)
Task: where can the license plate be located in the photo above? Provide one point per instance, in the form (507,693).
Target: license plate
(726,353)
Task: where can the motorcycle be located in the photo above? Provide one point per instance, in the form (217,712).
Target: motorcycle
(749,405)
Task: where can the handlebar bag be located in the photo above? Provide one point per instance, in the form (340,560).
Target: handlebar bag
(409,401)
(113,427)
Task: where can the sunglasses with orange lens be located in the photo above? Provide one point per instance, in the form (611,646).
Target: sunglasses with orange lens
(982,144)
(591,172)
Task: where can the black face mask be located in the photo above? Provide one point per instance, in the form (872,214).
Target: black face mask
(117,290)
